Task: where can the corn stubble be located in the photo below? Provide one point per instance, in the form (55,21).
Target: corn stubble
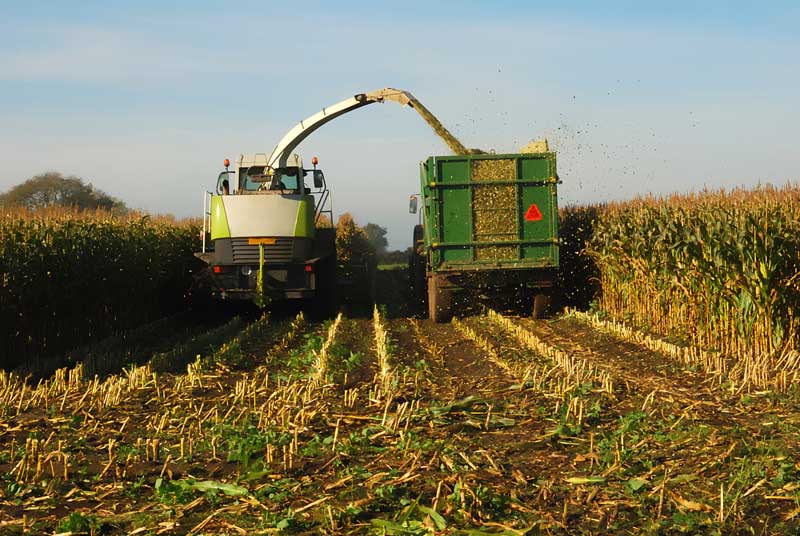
(278,426)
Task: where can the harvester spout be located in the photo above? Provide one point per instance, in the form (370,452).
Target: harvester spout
(304,128)
(405,98)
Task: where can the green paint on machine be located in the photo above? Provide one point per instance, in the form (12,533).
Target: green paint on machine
(495,211)
(304,224)
(219,219)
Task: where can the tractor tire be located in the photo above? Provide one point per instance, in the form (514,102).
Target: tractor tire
(440,302)
(542,302)
(417,268)
(419,282)
(418,237)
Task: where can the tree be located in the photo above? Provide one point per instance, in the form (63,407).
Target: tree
(352,244)
(53,189)
(398,256)
(377,237)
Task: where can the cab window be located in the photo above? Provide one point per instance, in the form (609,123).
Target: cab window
(246,181)
(287,179)
(288,182)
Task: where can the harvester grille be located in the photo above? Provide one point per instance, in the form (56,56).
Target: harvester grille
(244,253)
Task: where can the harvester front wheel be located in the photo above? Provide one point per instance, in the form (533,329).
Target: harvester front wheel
(440,301)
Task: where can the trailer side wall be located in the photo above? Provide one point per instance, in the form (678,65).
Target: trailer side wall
(485,212)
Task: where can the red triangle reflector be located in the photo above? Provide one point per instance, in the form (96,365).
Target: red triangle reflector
(533,213)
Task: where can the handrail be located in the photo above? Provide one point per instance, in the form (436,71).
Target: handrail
(321,205)
(206,216)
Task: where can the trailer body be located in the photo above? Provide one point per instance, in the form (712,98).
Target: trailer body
(489,225)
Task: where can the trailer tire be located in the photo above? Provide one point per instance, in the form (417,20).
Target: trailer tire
(440,301)
(541,304)
(418,281)
(416,271)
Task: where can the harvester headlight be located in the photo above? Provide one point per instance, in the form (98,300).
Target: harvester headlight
(246,271)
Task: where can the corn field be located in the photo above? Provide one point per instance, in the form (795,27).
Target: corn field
(68,277)
(629,419)
(718,270)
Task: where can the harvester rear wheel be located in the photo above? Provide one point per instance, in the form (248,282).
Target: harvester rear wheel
(440,301)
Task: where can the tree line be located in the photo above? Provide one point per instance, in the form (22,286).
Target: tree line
(54,189)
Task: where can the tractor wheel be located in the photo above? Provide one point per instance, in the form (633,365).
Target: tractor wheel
(440,301)
(419,282)
(541,304)
(416,272)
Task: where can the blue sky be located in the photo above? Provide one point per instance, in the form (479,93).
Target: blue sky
(145,99)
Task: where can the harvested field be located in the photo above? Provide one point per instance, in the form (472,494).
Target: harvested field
(394,425)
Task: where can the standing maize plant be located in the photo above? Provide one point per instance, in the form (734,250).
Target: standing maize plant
(261,298)
(69,277)
(719,269)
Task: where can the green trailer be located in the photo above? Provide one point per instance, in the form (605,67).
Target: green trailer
(489,228)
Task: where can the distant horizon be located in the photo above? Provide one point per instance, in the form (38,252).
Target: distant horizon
(360,223)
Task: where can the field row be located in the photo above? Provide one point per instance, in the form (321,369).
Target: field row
(491,424)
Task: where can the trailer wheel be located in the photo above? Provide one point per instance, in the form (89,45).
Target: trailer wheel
(541,304)
(440,301)
(418,281)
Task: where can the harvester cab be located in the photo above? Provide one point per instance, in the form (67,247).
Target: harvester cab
(254,174)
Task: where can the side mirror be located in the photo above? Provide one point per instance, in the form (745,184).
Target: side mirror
(223,186)
(412,205)
(319,178)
